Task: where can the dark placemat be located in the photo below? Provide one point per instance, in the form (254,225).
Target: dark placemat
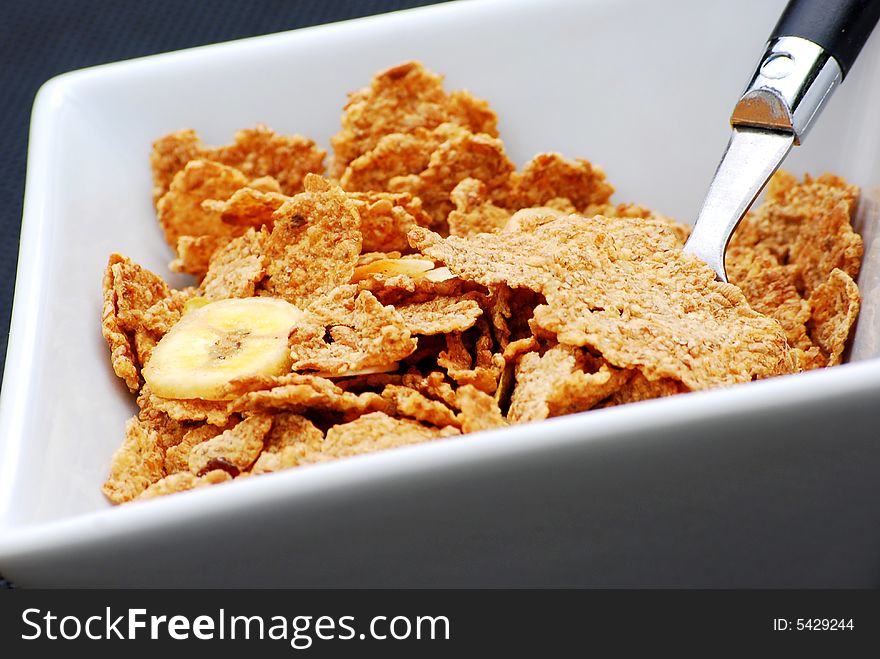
(40,39)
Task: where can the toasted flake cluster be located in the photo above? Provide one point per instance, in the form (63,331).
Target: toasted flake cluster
(441,292)
(205,196)
(796,259)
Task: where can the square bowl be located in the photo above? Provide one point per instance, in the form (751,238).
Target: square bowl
(770,484)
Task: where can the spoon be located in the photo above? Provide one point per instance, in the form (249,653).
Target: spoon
(809,53)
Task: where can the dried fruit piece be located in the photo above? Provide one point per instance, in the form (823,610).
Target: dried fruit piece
(219,342)
(315,244)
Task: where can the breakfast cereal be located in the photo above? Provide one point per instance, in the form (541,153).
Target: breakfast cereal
(427,289)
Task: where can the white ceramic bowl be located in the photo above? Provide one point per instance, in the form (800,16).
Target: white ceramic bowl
(767,484)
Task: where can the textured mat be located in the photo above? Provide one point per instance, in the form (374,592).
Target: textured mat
(41,38)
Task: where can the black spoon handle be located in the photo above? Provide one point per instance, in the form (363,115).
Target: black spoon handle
(841,27)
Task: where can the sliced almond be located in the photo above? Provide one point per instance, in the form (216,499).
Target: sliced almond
(415,268)
(439,274)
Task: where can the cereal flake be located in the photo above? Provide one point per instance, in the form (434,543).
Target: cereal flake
(233,450)
(348,331)
(628,294)
(315,244)
(129,292)
(135,465)
(376,432)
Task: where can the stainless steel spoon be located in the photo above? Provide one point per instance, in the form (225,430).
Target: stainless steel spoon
(809,53)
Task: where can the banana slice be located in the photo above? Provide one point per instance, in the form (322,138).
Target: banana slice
(218,342)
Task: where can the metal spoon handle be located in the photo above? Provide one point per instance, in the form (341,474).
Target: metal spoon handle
(810,50)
